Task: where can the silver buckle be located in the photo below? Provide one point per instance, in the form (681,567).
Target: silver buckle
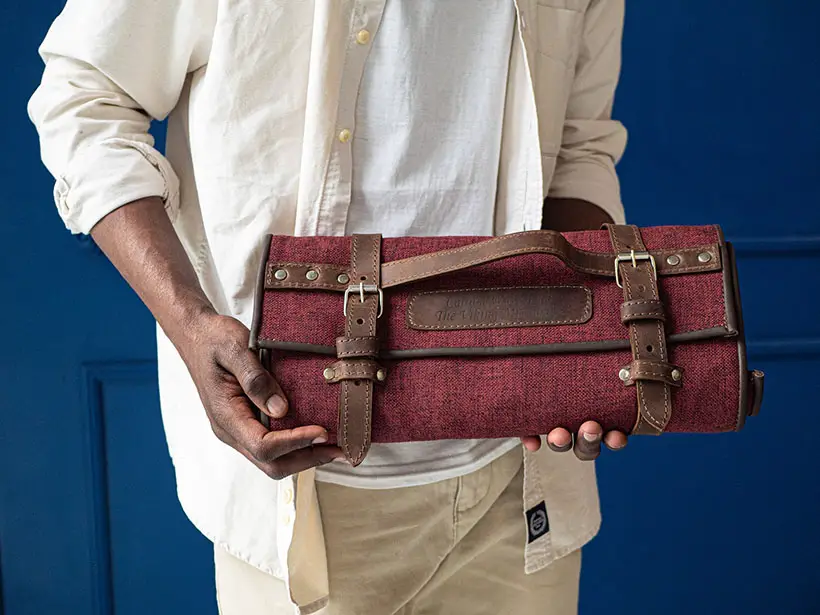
(633,257)
(363,288)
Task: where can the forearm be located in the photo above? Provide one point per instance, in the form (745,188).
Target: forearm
(564,215)
(141,243)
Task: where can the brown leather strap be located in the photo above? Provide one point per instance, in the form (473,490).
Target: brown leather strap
(356,398)
(347,347)
(642,309)
(642,369)
(647,336)
(395,273)
(534,242)
(305,275)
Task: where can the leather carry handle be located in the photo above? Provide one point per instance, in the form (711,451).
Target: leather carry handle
(317,276)
(535,242)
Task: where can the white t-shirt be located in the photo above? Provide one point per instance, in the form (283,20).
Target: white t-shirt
(425,162)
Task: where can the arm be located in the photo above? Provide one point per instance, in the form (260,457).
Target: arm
(584,193)
(592,141)
(93,110)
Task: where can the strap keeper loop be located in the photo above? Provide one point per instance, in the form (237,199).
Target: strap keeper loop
(642,309)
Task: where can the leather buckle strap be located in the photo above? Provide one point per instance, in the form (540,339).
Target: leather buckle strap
(363,304)
(633,257)
(636,272)
(361,289)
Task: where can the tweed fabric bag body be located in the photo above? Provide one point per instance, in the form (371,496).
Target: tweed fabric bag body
(411,339)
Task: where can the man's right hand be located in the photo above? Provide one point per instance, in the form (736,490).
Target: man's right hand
(140,241)
(230,378)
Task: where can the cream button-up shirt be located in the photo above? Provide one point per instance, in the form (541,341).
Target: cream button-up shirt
(261,100)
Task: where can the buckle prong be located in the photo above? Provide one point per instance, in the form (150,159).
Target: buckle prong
(363,288)
(633,257)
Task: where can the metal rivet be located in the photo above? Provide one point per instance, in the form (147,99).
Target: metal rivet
(673,260)
(704,257)
(329,373)
(343,278)
(312,274)
(280,274)
(381,375)
(676,375)
(624,374)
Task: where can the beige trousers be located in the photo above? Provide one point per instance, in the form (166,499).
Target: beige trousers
(454,547)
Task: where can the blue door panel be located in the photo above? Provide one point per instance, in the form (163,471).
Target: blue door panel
(714,524)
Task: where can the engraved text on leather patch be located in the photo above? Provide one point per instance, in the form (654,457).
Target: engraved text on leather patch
(492,308)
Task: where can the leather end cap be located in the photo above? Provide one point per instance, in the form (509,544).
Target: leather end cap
(756,389)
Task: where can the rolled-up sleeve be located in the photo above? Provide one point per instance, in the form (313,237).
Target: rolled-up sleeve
(592,141)
(111,67)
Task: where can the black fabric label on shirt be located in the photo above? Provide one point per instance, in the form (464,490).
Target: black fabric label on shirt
(537,522)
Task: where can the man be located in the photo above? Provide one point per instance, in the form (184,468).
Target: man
(401,117)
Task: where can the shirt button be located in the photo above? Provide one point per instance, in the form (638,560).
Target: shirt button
(344,135)
(287,520)
(287,496)
(363,37)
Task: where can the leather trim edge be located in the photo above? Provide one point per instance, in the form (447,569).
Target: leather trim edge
(562,348)
(256,323)
(734,313)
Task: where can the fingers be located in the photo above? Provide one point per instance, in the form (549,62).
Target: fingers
(258,384)
(301,460)
(615,440)
(588,442)
(237,419)
(531,443)
(559,440)
(277,453)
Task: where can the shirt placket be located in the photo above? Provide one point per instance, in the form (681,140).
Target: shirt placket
(364,22)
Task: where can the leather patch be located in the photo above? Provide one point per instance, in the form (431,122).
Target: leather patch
(496,308)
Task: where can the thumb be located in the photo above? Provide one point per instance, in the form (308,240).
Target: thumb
(260,387)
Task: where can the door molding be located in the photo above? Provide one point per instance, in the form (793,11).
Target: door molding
(95,376)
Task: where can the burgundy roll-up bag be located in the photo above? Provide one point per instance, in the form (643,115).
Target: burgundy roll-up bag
(426,338)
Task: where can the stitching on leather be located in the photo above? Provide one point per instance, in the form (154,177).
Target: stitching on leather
(284,284)
(643,413)
(366,442)
(367,405)
(659,340)
(632,315)
(317,266)
(346,375)
(586,315)
(375,252)
(345,442)
(647,372)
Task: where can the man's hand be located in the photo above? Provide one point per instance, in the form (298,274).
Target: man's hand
(565,215)
(230,378)
(141,243)
(587,442)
